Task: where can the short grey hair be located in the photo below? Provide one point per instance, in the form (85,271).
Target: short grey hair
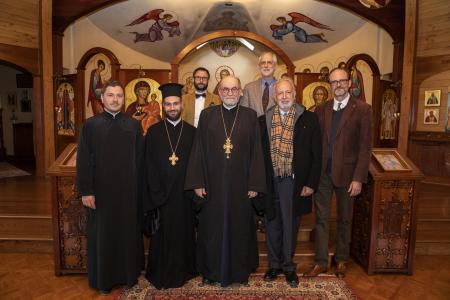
(274,56)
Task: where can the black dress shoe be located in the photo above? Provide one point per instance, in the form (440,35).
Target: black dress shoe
(208,281)
(272,274)
(244,283)
(291,278)
(104,292)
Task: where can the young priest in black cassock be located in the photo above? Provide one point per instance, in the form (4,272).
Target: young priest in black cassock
(168,146)
(109,173)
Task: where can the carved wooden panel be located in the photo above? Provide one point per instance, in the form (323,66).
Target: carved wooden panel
(72,226)
(393,224)
(384,220)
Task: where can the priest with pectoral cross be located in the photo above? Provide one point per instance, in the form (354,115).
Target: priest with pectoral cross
(226,170)
(168,146)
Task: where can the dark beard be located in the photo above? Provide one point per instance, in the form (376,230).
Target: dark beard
(198,89)
(173,118)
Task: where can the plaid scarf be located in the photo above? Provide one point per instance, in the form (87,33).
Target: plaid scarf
(281,142)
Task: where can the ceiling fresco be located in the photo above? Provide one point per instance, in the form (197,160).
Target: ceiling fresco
(161,29)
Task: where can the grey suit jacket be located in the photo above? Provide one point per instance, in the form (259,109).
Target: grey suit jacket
(252,97)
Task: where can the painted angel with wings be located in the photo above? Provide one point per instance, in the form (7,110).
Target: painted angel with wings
(160,24)
(286,27)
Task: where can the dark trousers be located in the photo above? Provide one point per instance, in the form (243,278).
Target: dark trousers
(344,205)
(281,232)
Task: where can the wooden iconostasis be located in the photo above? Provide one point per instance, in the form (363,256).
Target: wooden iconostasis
(77,96)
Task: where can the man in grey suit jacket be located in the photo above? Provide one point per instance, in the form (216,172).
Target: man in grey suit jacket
(258,94)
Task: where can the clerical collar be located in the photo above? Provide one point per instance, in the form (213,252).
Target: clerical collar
(229,107)
(343,102)
(113,114)
(174,123)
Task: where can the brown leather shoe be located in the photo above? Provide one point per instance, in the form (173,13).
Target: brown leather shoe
(341,267)
(316,270)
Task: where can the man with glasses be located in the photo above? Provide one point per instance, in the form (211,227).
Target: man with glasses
(258,95)
(226,170)
(346,124)
(292,146)
(194,103)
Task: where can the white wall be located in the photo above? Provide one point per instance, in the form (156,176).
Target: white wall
(243,63)
(8,87)
(84,35)
(369,39)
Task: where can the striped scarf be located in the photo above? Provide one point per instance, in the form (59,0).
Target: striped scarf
(281,142)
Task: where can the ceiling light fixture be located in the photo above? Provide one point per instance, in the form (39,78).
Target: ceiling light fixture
(246,43)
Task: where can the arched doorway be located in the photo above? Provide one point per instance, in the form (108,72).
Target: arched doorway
(17,117)
(22,128)
(229,34)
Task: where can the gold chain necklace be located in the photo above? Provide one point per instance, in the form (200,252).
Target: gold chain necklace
(173,158)
(228,146)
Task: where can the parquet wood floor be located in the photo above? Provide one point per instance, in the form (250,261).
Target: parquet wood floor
(30,276)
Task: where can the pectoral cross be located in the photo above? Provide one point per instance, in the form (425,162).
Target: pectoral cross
(173,159)
(227,147)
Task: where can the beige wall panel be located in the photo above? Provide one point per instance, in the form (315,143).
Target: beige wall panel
(19,23)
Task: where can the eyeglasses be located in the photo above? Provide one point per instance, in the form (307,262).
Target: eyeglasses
(269,63)
(201,78)
(233,91)
(340,82)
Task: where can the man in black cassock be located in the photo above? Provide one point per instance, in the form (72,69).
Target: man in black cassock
(168,145)
(226,169)
(109,163)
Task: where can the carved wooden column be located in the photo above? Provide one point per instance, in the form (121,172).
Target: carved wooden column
(384,222)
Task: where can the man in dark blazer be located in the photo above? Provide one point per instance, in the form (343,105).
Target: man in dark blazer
(292,149)
(346,125)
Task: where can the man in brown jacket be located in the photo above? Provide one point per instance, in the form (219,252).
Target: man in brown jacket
(194,103)
(346,125)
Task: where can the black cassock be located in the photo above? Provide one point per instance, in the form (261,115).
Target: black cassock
(172,247)
(109,166)
(227,249)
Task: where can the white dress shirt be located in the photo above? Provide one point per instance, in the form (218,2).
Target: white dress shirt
(343,102)
(199,105)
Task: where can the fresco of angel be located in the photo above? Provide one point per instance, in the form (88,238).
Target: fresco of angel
(286,27)
(155,31)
